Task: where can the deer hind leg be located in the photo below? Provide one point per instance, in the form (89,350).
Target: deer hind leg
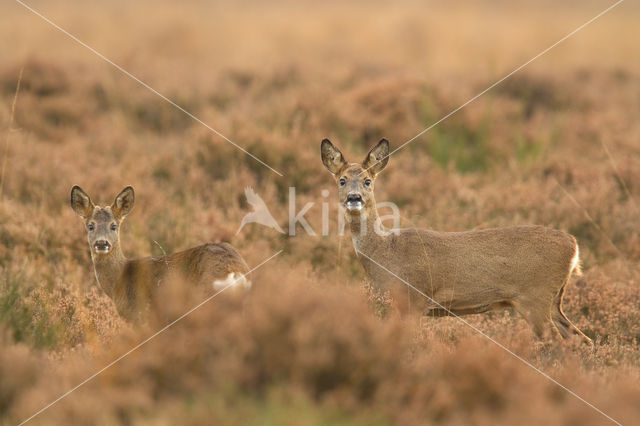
(565,327)
(538,314)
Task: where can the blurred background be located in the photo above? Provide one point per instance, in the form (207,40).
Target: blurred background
(556,144)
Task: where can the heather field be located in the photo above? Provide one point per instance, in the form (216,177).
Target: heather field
(556,144)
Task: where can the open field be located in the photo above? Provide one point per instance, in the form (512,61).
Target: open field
(557,144)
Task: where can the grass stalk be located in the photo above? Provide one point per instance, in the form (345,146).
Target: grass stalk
(6,144)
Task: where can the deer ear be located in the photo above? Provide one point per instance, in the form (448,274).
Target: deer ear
(332,158)
(123,204)
(377,159)
(81,202)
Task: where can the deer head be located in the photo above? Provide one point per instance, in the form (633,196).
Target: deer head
(103,223)
(355,180)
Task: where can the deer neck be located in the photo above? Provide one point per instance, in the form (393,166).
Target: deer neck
(108,268)
(367,231)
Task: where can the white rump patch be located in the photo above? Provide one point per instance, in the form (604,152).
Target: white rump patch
(575,263)
(234,279)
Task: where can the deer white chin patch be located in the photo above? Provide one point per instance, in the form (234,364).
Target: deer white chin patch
(102,250)
(234,279)
(355,205)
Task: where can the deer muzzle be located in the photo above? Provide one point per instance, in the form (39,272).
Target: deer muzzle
(102,246)
(354,202)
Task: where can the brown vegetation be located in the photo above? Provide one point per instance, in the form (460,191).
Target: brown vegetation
(556,145)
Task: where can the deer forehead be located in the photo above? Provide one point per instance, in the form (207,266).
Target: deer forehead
(356,171)
(102,214)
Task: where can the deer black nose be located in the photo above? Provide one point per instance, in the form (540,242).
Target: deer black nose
(102,246)
(354,198)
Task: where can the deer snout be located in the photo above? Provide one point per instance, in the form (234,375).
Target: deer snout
(102,246)
(354,198)
(354,202)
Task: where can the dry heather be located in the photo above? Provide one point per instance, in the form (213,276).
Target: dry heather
(557,144)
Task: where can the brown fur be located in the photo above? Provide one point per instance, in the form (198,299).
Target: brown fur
(132,283)
(524,267)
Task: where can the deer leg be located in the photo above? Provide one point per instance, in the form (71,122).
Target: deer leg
(564,325)
(538,315)
(559,319)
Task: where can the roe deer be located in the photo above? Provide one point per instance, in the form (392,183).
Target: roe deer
(524,267)
(131,283)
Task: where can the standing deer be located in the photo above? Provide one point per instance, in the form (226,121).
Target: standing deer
(524,267)
(132,283)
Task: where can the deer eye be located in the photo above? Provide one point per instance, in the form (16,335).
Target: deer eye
(91,227)
(343,182)
(114,226)
(367,182)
